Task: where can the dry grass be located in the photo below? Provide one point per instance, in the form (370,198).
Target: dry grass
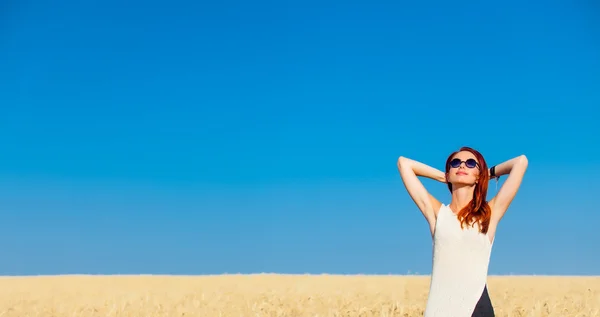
(279,295)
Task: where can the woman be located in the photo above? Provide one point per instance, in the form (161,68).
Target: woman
(462,231)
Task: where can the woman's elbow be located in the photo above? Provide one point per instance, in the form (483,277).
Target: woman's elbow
(523,160)
(401,161)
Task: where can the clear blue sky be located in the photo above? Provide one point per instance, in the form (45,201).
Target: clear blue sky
(190,138)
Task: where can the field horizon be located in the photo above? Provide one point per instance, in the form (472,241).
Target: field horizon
(281,274)
(280,294)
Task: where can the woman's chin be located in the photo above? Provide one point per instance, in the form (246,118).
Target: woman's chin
(462,183)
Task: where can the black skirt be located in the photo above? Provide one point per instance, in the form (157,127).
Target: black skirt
(484,306)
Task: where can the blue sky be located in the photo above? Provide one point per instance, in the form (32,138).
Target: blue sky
(192,138)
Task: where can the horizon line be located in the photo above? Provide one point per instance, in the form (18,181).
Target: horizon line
(276,274)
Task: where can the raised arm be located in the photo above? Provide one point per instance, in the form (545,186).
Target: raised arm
(515,168)
(409,170)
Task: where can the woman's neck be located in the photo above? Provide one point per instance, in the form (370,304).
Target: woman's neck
(461,197)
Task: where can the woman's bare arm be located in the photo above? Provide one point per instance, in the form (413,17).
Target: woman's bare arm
(409,170)
(515,169)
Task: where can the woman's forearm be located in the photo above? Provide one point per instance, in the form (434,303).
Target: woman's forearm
(505,168)
(421,169)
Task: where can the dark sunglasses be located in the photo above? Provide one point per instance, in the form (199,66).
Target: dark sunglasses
(470,163)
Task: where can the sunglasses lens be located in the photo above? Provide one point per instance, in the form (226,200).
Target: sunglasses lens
(455,163)
(471,163)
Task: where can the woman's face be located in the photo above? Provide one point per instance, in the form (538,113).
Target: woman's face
(464,169)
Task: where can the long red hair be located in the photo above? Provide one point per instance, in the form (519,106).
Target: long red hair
(478,210)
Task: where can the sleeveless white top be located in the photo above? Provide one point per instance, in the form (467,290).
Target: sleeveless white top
(460,266)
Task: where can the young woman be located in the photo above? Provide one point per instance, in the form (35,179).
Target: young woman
(462,231)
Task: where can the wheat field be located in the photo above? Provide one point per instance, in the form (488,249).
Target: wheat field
(279,295)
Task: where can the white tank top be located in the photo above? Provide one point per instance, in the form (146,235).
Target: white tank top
(460,267)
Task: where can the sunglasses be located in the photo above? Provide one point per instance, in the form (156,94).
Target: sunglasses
(470,163)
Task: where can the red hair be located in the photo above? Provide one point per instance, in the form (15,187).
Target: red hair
(478,209)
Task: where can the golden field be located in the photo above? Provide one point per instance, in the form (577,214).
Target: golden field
(279,295)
